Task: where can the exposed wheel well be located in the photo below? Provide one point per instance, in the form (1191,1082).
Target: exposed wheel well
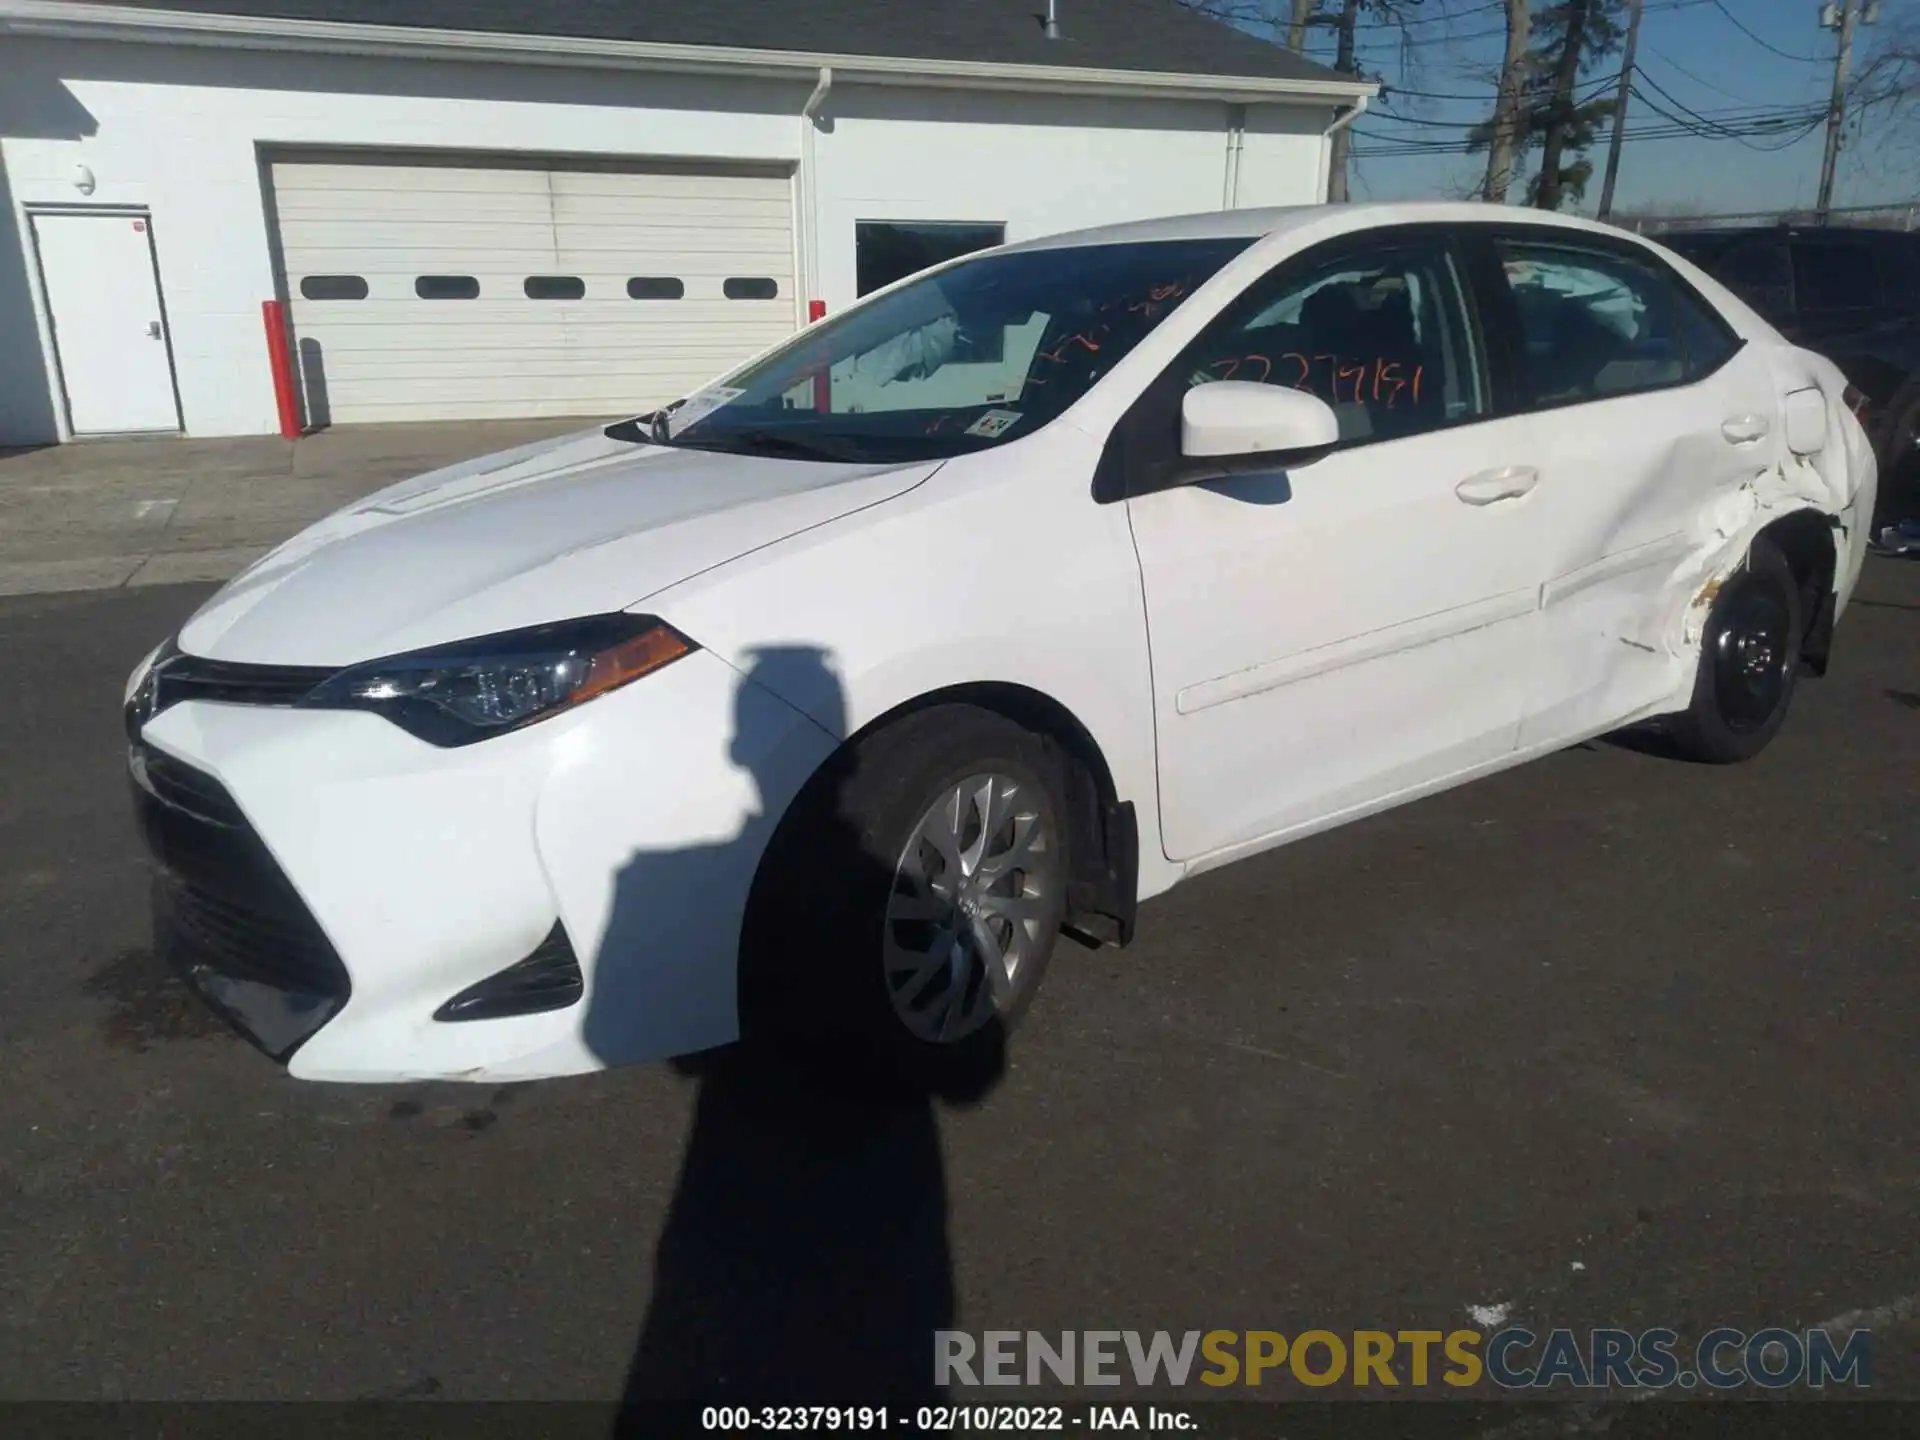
(1805,538)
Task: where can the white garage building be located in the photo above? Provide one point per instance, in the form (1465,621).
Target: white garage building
(457,209)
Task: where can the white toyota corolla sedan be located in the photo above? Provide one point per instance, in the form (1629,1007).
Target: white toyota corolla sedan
(826,699)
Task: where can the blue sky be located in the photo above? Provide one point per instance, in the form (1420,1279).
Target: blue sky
(1693,50)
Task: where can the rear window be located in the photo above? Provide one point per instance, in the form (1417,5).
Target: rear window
(1835,275)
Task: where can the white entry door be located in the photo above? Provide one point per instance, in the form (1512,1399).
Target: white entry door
(103,296)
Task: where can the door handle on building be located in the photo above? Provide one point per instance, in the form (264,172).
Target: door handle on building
(153,329)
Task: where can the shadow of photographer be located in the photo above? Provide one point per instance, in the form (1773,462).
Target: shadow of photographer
(804,1259)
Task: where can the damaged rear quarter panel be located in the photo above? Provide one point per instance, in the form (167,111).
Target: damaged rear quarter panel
(1646,507)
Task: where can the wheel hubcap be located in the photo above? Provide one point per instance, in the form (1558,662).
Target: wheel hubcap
(971,894)
(1750,653)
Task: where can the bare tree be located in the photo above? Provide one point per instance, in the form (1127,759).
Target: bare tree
(1886,92)
(1297,27)
(1503,131)
(1568,38)
(1588,29)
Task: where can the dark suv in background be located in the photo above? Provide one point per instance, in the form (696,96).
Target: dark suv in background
(1853,296)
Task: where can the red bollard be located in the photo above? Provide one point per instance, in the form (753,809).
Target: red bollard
(280,358)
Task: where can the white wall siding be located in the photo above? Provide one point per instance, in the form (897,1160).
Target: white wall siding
(1037,164)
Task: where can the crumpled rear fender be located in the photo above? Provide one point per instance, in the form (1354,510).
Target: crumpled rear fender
(1837,483)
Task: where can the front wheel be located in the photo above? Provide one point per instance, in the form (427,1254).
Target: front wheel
(1749,661)
(908,908)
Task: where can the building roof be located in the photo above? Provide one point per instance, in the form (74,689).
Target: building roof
(1145,36)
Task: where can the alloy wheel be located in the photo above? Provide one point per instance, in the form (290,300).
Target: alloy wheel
(972,893)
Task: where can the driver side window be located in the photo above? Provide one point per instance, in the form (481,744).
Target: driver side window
(1381,335)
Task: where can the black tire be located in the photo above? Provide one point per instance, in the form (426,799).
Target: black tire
(813,979)
(1749,662)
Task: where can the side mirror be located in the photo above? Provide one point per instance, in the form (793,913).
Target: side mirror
(1227,420)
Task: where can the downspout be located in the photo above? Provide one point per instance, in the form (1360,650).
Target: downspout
(810,188)
(1340,122)
(1236,135)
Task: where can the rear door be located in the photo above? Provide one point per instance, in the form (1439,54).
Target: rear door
(1650,411)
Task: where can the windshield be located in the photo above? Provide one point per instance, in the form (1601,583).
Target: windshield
(967,358)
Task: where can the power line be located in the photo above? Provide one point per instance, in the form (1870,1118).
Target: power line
(1698,80)
(1763,44)
(1388,91)
(1709,120)
(1502,30)
(1737,131)
(1669,128)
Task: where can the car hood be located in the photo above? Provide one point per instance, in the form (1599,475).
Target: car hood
(577,525)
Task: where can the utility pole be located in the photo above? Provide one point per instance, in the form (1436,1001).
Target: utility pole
(1343,62)
(1502,144)
(1620,111)
(1837,108)
(1565,74)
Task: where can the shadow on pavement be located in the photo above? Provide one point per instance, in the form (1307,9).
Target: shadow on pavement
(804,1257)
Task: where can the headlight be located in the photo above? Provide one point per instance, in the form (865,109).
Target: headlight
(457,694)
(141,672)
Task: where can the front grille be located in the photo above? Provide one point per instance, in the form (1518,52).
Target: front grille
(188,677)
(249,942)
(184,788)
(225,913)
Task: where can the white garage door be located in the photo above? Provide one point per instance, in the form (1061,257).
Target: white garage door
(440,292)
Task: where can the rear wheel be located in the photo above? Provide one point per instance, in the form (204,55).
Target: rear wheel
(908,908)
(1749,662)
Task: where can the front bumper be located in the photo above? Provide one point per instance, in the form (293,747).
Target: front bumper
(225,916)
(329,883)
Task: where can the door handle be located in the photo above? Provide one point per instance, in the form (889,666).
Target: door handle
(153,329)
(1744,429)
(1507,483)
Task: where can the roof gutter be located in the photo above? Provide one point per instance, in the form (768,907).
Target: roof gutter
(1347,116)
(63,19)
(1341,121)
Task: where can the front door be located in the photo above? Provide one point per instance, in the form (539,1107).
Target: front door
(1354,628)
(109,334)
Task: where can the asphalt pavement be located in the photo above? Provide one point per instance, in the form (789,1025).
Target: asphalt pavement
(1607,1040)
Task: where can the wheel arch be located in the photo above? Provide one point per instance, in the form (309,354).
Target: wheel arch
(1103,835)
(1805,537)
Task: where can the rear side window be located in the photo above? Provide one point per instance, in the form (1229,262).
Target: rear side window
(1835,275)
(1704,336)
(1599,324)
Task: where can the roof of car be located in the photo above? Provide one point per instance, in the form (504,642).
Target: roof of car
(1150,36)
(1275,220)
